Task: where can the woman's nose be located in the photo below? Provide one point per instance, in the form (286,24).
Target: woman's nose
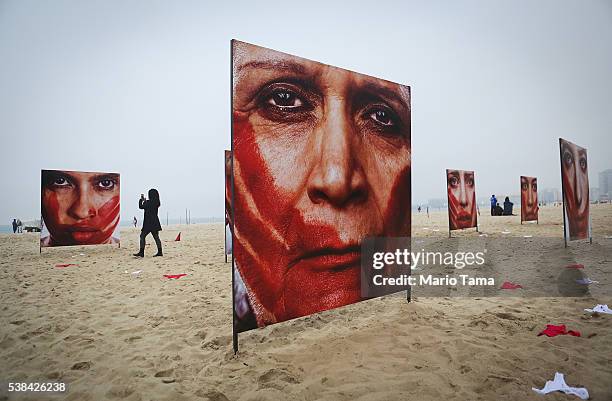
(463,201)
(530,197)
(579,182)
(337,177)
(83,207)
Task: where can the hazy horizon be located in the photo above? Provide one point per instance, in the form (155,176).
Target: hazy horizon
(143,89)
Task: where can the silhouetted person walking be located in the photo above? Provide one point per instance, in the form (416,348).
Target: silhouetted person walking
(150,224)
(14,226)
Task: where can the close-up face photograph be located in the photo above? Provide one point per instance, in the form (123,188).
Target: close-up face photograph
(79,208)
(461,199)
(575,176)
(529,198)
(322,159)
(327,273)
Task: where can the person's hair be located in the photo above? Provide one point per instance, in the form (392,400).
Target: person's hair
(507,199)
(154,196)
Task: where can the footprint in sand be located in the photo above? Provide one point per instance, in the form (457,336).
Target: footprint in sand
(81,366)
(164,373)
(276,378)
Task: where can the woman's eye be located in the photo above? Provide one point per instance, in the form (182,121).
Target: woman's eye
(453,181)
(583,163)
(106,184)
(382,117)
(60,182)
(534,187)
(470,181)
(568,158)
(524,187)
(285,99)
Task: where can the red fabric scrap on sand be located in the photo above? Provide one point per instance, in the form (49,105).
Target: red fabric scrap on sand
(174,276)
(507,285)
(66,265)
(178,237)
(575,266)
(552,331)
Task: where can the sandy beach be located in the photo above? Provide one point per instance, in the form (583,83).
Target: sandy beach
(113,335)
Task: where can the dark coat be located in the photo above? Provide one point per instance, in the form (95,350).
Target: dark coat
(151,220)
(508,208)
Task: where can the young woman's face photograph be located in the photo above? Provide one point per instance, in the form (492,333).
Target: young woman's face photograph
(574,172)
(461,199)
(80,208)
(321,160)
(529,198)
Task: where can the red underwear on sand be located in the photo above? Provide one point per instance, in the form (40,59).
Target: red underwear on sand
(575,266)
(552,331)
(507,285)
(175,276)
(66,265)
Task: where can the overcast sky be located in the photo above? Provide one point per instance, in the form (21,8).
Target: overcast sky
(142,88)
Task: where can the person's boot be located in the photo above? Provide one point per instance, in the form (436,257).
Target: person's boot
(140,254)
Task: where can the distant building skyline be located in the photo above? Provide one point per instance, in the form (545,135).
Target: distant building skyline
(605,184)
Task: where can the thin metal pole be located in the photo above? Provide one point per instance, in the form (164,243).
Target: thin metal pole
(562,195)
(234,332)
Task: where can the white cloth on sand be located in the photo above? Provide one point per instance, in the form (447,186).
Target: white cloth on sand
(558,384)
(600,309)
(586,281)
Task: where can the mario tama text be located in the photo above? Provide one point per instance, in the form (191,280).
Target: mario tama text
(431,280)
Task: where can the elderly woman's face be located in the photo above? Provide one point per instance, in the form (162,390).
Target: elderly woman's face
(80,208)
(576,186)
(321,160)
(529,198)
(461,199)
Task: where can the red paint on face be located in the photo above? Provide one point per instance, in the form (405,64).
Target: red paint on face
(293,267)
(461,199)
(574,172)
(284,282)
(529,198)
(320,158)
(80,211)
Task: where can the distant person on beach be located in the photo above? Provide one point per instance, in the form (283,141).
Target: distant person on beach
(14,226)
(498,210)
(419,209)
(493,204)
(19,226)
(507,207)
(150,224)
(79,208)
(135,222)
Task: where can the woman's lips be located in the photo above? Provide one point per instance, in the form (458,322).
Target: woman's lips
(464,217)
(329,258)
(84,236)
(84,229)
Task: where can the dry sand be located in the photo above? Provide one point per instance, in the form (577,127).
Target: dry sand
(110,335)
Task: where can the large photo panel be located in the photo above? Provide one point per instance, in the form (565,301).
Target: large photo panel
(228,226)
(79,208)
(321,160)
(575,185)
(529,198)
(461,191)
